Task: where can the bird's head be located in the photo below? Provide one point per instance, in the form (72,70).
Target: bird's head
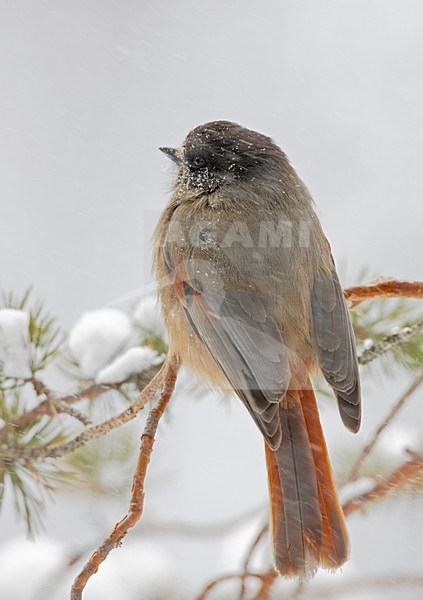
(223,153)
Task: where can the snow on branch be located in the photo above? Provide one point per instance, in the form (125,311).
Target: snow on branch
(134,360)
(373,349)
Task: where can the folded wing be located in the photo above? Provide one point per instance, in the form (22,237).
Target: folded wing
(335,346)
(242,337)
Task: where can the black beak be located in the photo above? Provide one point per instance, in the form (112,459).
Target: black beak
(173,154)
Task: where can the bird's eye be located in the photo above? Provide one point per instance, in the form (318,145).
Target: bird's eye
(198,162)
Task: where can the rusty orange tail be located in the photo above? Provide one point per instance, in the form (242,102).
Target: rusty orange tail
(307,522)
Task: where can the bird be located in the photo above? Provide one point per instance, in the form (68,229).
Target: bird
(252,302)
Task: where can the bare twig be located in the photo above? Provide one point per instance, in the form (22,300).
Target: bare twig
(408,474)
(204,594)
(137,494)
(354,473)
(267,581)
(63,407)
(389,288)
(89,434)
(246,565)
(389,342)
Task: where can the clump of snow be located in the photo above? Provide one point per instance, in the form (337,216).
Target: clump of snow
(14,343)
(148,316)
(134,360)
(97,337)
(368,343)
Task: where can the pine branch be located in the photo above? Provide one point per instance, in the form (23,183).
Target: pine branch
(43,333)
(389,342)
(53,405)
(91,433)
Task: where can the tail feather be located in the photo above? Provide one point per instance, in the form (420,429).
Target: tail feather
(307,522)
(299,487)
(335,545)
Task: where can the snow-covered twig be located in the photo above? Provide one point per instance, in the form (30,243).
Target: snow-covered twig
(137,494)
(393,340)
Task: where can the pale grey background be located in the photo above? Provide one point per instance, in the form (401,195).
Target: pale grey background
(90,90)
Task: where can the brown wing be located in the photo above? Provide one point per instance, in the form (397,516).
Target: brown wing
(241,336)
(335,346)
